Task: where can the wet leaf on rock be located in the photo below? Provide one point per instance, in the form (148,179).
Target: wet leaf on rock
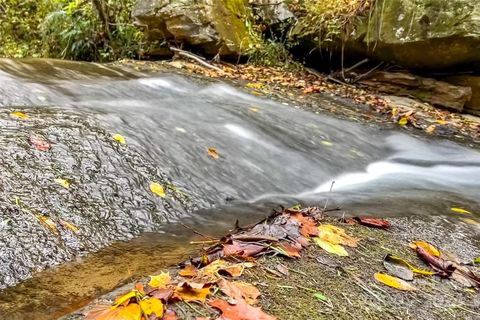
(188,292)
(374,222)
(239,290)
(402,269)
(403,121)
(119,138)
(331,248)
(69,226)
(157,189)
(213,153)
(130,312)
(152,306)
(19,115)
(240,311)
(125,298)
(39,143)
(64,183)
(443,267)
(430,249)
(394,282)
(160,281)
(460,210)
(188,271)
(48,222)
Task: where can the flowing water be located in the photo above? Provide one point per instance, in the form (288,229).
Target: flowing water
(270,154)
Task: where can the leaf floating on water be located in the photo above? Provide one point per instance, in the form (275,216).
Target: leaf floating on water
(476,260)
(119,138)
(394,282)
(212,152)
(254,109)
(430,249)
(403,121)
(19,115)
(330,247)
(157,189)
(460,210)
(40,143)
(160,281)
(69,226)
(64,183)
(326,143)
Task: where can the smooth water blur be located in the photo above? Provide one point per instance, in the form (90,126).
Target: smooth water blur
(270,154)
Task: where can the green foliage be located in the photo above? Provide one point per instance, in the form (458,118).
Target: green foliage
(70,30)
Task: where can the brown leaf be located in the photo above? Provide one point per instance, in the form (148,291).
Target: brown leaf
(289,249)
(239,290)
(374,222)
(39,143)
(212,152)
(188,271)
(242,249)
(169,315)
(283,270)
(240,311)
(308,225)
(443,267)
(163,294)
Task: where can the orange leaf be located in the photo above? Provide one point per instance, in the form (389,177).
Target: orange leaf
(430,249)
(188,271)
(240,311)
(170,315)
(186,292)
(130,312)
(212,152)
(239,290)
(289,249)
(308,225)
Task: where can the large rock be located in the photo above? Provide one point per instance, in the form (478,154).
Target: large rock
(426,34)
(212,26)
(473,105)
(437,93)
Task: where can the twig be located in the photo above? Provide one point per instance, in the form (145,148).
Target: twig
(199,233)
(366,74)
(356,65)
(328,197)
(192,56)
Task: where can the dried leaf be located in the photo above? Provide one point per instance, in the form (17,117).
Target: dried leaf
(288,249)
(240,311)
(187,293)
(19,115)
(125,298)
(163,294)
(470,221)
(374,222)
(308,225)
(160,281)
(40,143)
(460,210)
(152,306)
(130,312)
(242,249)
(430,249)
(394,282)
(69,226)
(330,247)
(212,152)
(239,290)
(430,129)
(170,315)
(46,221)
(399,261)
(188,271)
(157,189)
(336,235)
(443,267)
(119,138)
(64,183)
(283,270)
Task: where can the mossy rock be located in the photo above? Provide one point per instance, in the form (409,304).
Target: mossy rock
(211,26)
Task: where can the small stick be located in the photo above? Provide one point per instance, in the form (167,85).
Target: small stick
(328,198)
(199,233)
(192,56)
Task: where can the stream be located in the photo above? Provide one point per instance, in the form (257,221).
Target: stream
(270,154)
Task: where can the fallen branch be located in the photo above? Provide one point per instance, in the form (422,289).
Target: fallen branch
(193,56)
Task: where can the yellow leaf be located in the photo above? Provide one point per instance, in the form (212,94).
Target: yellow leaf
(157,189)
(336,235)
(69,226)
(119,138)
(394,111)
(252,85)
(326,143)
(439,121)
(48,223)
(130,312)
(125,298)
(212,152)
(400,261)
(160,281)
(19,115)
(330,247)
(426,246)
(469,221)
(403,121)
(64,183)
(187,293)
(460,210)
(430,129)
(394,282)
(152,306)
(254,109)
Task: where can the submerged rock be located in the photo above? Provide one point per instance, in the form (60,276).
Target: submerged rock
(212,26)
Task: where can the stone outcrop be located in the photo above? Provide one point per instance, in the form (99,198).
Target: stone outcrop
(473,105)
(211,26)
(437,93)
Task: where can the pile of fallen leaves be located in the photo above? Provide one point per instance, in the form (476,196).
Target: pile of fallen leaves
(210,280)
